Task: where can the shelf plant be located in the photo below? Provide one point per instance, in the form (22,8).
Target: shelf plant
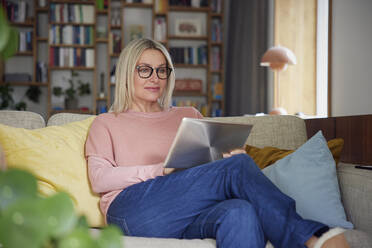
(70,94)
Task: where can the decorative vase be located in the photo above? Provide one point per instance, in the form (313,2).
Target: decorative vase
(71,103)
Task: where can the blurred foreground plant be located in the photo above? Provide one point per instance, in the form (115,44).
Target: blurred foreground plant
(8,38)
(30,220)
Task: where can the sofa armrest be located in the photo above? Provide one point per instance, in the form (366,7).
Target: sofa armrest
(356,195)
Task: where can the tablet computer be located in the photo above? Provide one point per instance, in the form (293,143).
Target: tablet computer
(199,141)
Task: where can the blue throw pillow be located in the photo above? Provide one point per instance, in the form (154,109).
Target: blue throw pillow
(309,177)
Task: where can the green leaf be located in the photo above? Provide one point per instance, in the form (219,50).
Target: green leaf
(15,185)
(32,222)
(82,222)
(57,91)
(74,73)
(6,98)
(12,45)
(21,106)
(33,93)
(4,30)
(59,214)
(79,238)
(110,237)
(23,225)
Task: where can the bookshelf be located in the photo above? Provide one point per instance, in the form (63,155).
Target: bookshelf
(108,29)
(21,71)
(71,56)
(161,27)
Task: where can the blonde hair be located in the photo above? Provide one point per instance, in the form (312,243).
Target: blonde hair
(124,75)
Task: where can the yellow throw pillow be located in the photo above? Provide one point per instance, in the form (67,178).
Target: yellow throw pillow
(55,155)
(266,156)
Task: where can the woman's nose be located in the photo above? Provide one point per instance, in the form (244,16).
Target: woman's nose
(154,75)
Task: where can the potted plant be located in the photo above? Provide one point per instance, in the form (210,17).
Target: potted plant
(6,96)
(33,93)
(70,94)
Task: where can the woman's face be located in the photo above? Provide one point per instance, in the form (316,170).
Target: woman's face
(147,91)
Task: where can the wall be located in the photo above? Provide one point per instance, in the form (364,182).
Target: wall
(351,57)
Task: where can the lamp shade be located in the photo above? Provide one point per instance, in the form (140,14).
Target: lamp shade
(278,58)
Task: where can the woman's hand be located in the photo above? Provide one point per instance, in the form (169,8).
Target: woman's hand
(233,152)
(168,171)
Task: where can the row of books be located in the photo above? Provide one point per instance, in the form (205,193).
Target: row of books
(216,110)
(187,3)
(217,91)
(25,41)
(139,1)
(216,6)
(68,34)
(70,57)
(16,11)
(73,13)
(102,4)
(114,43)
(161,6)
(216,30)
(190,55)
(215,59)
(160,29)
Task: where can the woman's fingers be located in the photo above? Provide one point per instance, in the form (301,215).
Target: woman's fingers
(233,152)
(237,151)
(226,155)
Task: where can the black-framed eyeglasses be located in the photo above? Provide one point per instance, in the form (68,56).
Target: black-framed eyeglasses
(145,71)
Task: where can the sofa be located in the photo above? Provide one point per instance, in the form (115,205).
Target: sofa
(286,132)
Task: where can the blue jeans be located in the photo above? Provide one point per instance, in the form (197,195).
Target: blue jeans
(229,200)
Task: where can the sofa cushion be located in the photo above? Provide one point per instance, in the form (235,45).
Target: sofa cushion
(266,156)
(358,239)
(356,188)
(309,176)
(24,119)
(55,155)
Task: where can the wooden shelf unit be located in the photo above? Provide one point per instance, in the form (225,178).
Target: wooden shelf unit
(92,45)
(103,18)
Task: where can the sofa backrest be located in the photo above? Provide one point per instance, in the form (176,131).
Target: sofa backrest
(282,131)
(23,119)
(64,118)
(285,132)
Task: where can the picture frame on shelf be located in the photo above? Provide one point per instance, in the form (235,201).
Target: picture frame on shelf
(188,27)
(136,32)
(188,85)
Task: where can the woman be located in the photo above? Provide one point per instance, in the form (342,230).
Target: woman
(229,200)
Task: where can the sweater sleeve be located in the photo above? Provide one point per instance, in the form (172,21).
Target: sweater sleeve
(104,174)
(104,177)
(197,114)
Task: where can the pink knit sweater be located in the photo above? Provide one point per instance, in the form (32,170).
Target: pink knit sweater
(130,148)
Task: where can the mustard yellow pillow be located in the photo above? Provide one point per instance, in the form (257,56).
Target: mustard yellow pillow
(55,155)
(266,156)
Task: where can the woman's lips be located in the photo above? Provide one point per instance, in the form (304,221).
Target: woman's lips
(152,89)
